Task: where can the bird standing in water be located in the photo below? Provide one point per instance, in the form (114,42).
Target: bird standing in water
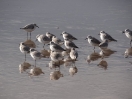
(29,28)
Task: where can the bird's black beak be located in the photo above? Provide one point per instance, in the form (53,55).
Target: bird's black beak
(48,44)
(37,26)
(36,40)
(99,34)
(85,38)
(123,32)
(60,34)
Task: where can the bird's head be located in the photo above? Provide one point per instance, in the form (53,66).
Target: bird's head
(36,25)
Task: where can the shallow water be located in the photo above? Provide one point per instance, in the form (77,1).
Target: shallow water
(80,18)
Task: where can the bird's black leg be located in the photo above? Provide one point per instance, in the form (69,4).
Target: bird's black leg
(94,48)
(43,45)
(30,35)
(27,35)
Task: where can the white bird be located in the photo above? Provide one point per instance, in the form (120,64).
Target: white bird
(106,36)
(128,34)
(104,44)
(29,28)
(73,54)
(49,35)
(56,57)
(24,49)
(93,41)
(128,52)
(57,40)
(56,47)
(69,44)
(68,36)
(35,55)
(42,39)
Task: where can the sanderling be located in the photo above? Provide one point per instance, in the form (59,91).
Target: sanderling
(24,49)
(93,41)
(49,35)
(69,44)
(73,54)
(35,54)
(56,47)
(68,36)
(42,39)
(29,28)
(104,44)
(104,36)
(56,57)
(57,40)
(128,34)
(128,52)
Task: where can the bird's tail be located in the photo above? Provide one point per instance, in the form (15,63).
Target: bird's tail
(21,28)
(114,40)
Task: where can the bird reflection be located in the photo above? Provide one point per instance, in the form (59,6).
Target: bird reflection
(103,64)
(46,53)
(55,75)
(73,70)
(55,65)
(30,43)
(36,71)
(106,52)
(24,66)
(128,52)
(93,57)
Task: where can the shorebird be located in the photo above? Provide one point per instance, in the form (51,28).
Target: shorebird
(43,39)
(49,35)
(56,47)
(128,52)
(93,41)
(24,49)
(104,44)
(106,36)
(69,44)
(56,57)
(29,28)
(57,40)
(73,54)
(68,36)
(35,55)
(128,34)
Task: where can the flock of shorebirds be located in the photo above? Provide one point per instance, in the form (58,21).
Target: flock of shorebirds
(57,53)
